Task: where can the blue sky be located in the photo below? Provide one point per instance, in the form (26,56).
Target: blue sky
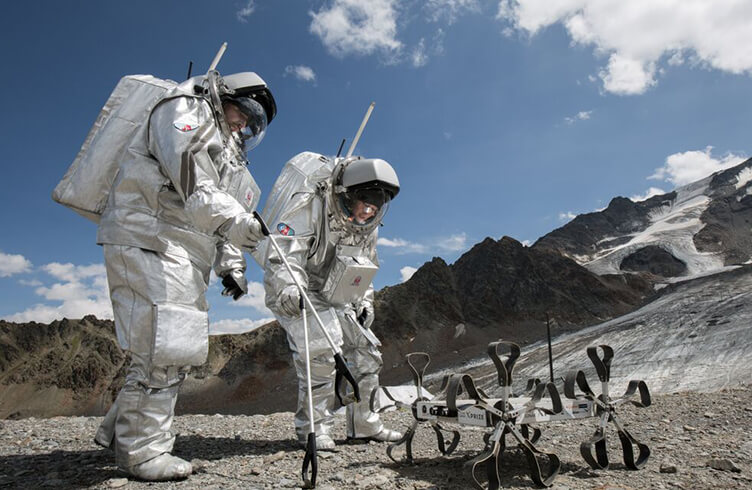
(501,117)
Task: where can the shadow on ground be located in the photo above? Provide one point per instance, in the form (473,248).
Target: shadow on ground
(87,468)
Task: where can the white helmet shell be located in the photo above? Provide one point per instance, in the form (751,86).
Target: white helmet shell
(361,191)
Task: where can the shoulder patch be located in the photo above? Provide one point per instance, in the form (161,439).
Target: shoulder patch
(185,127)
(284,229)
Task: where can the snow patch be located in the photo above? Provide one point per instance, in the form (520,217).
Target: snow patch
(743,178)
(672,228)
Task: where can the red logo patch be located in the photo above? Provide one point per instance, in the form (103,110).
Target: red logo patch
(284,229)
(183,127)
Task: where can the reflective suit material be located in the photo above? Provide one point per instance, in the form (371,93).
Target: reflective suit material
(140,281)
(310,247)
(86,185)
(177,184)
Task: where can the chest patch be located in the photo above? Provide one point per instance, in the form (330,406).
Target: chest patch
(284,229)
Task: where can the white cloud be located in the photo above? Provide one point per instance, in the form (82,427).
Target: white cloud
(359,27)
(653,191)
(526,243)
(403,245)
(81,291)
(452,243)
(301,72)
(254,299)
(627,76)
(419,56)
(450,10)
(13,264)
(407,272)
(438,41)
(222,327)
(639,35)
(568,216)
(246,11)
(73,273)
(689,166)
(580,116)
(31,283)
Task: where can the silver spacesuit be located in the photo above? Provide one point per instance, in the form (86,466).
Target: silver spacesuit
(180,204)
(325,217)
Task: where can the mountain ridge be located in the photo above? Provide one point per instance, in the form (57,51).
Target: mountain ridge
(599,267)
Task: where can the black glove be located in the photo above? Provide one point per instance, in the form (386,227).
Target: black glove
(235,284)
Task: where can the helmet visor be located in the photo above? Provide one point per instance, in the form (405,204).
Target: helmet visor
(364,207)
(250,124)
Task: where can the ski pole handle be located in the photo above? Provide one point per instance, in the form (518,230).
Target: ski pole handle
(264,229)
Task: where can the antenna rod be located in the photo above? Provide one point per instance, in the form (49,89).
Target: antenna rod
(190,68)
(218,57)
(340,148)
(360,130)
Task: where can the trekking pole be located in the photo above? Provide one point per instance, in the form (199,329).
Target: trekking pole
(310,454)
(360,130)
(339,361)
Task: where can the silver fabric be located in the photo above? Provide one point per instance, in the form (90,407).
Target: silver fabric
(86,185)
(229,258)
(139,280)
(175,188)
(164,467)
(243,231)
(177,183)
(289,301)
(296,213)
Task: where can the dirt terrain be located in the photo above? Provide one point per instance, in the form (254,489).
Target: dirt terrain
(698,441)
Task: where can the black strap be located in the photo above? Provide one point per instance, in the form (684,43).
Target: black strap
(407,440)
(602,364)
(599,461)
(443,448)
(505,367)
(594,450)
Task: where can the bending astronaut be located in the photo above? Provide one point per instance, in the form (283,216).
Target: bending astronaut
(180,204)
(325,217)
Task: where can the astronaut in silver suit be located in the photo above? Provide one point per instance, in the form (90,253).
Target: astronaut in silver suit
(325,216)
(180,205)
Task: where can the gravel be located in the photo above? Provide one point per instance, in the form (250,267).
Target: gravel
(697,440)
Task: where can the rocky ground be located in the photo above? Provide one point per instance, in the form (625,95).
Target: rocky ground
(698,440)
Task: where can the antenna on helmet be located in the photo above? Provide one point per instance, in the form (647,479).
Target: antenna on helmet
(217,57)
(360,130)
(340,148)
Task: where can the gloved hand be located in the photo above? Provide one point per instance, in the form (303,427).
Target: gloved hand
(365,314)
(289,301)
(243,231)
(235,284)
